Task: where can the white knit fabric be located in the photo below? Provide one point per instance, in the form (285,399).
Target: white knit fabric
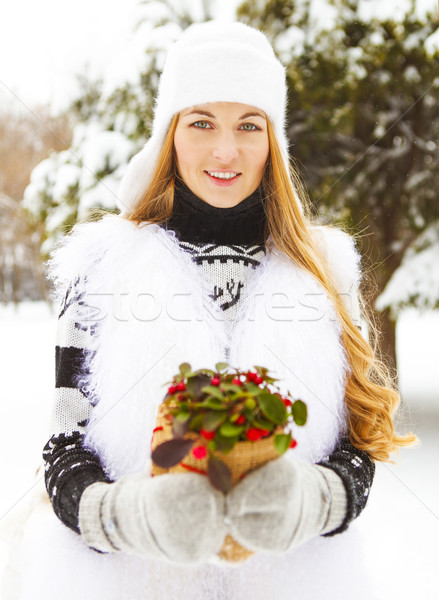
(230,270)
(71,407)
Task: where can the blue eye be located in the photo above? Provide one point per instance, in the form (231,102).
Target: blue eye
(249,127)
(201,125)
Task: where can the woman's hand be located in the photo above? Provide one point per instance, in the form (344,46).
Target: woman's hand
(177,517)
(283,504)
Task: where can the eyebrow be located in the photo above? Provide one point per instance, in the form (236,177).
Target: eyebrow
(210,115)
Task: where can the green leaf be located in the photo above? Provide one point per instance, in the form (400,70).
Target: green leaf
(261,424)
(232,387)
(300,412)
(196,422)
(254,389)
(209,372)
(170,453)
(214,404)
(219,474)
(225,444)
(282,442)
(213,391)
(273,408)
(220,366)
(249,415)
(212,445)
(183,416)
(185,368)
(212,420)
(228,429)
(262,370)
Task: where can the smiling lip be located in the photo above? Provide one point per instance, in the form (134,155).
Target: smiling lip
(223,182)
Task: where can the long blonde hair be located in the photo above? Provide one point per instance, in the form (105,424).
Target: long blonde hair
(371,396)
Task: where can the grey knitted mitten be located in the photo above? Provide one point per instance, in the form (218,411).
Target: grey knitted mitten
(175,517)
(283,504)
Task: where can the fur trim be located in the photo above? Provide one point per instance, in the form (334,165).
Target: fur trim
(344,262)
(342,255)
(291,327)
(148,301)
(154,312)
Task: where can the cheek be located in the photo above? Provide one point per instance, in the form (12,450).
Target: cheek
(186,152)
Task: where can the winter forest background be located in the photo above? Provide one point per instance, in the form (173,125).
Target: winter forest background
(363,125)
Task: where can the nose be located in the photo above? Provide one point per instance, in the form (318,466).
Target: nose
(225,148)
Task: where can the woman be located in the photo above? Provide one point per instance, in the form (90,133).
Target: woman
(211,259)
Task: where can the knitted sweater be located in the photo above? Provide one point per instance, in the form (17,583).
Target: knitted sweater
(228,245)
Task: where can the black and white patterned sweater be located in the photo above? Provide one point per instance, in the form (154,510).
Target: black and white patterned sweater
(228,245)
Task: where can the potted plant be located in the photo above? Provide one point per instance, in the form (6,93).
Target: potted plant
(223,423)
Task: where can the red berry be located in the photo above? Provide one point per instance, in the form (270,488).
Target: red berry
(251,376)
(209,435)
(265,432)
(287,402)
(180,387)
(172,389)
(258,379)
(240,420)
(215,381)
(293,444)
(199,452)
(237,381)
(254,434)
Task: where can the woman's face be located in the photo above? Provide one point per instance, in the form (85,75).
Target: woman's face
(221,149)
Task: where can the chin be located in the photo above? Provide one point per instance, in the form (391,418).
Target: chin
(224,201)
(225,198)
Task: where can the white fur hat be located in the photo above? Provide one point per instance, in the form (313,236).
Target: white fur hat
(211,62)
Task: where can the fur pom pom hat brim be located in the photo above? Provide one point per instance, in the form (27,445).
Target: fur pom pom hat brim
(211,62)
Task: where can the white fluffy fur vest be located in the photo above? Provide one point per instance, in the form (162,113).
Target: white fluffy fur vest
(153,312)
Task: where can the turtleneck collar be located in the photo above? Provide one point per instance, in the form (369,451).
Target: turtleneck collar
(196,221)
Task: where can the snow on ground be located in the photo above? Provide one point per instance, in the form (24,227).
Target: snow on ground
(400,523)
